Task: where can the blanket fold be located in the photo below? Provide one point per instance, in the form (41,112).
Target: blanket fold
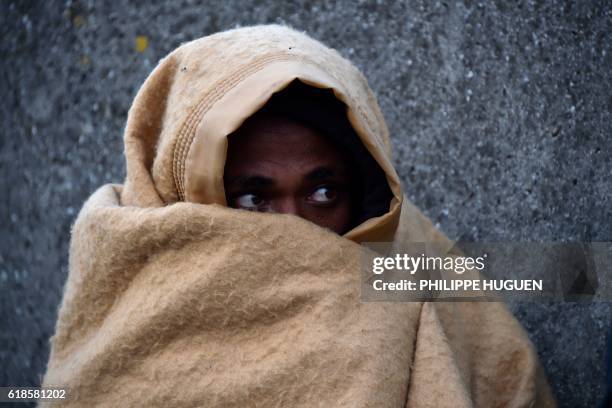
(200,305)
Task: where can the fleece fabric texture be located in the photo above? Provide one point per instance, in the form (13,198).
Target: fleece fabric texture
(173,299)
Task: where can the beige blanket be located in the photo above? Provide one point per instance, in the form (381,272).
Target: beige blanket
(172,299)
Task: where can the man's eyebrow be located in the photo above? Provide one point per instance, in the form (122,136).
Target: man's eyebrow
(247,182)
(324,172)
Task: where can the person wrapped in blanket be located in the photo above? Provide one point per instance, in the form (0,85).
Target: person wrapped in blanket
(224,271)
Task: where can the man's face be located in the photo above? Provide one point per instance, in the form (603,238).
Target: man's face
(281,166)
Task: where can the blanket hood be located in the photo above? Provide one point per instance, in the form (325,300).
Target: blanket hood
(176,134)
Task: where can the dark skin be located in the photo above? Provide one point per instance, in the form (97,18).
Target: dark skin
(278,165)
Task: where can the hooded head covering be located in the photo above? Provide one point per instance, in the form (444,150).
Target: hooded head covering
(173,299)
(176,135)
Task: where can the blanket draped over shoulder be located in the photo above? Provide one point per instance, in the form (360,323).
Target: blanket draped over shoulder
(173,299)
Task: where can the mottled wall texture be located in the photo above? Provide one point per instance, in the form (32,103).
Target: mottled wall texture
(500,111)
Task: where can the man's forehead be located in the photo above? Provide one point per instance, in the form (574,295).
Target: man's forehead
(262,178)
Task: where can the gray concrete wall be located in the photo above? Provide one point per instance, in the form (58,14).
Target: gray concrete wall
(500,114)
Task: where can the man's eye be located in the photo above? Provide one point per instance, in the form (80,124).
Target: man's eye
(323,195)
(250,202)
